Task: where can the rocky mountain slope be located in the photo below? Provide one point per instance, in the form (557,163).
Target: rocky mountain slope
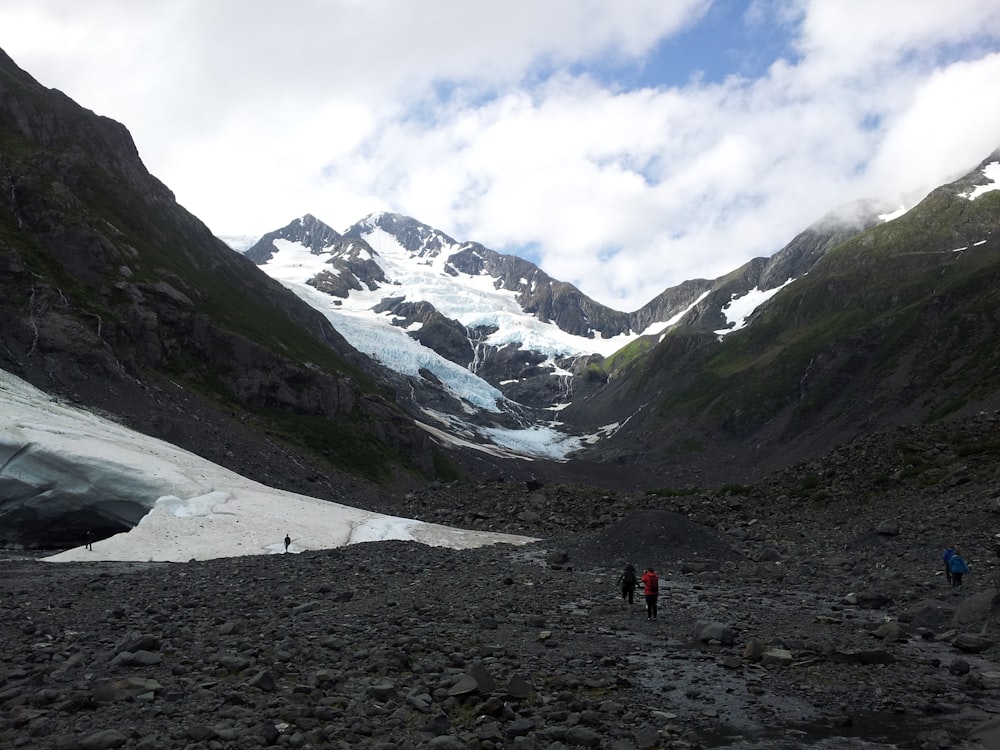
(895,325)
(116,298)
(113,296)
(525,345)
(383,260)
(836,322)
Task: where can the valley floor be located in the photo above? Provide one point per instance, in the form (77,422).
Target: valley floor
(807,611)
(397,645)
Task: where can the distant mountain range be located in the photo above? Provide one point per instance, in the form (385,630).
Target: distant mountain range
(349,365)
(537,351)
(493,334)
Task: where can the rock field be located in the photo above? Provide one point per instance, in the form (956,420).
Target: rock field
(807,610)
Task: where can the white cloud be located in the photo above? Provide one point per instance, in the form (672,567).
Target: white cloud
(951,122)
(519,125)
(848,36)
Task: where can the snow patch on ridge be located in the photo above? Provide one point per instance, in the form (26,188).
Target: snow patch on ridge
(992,172)
(739,308)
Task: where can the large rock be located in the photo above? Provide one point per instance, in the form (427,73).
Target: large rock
(987,734)
(929,613)
(979,610)
(714,631)
(972,644)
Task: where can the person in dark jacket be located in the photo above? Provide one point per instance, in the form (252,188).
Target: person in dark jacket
(946,557)
(958,568)
(651,591)
(628,580)
(288,541)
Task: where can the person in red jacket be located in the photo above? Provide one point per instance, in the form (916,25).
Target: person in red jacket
(651,590)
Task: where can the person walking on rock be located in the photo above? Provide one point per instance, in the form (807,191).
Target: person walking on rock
(958,567)
(650,590)
(628,580)
(946,557)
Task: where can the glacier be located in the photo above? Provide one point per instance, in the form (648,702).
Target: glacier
(145,500)
(472,301)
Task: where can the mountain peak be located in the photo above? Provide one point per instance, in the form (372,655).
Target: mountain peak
(415,237)
(306,230)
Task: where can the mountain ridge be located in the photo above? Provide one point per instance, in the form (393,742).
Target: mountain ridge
(117,299)
(696,316)
(387,261)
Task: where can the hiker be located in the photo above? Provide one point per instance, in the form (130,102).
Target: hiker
(627,580)
(958,566)
(90,536)
(946,557)
(650,590)
(288,540)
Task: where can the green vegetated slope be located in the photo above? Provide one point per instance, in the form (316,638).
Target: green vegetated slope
(899,324)
(896,320)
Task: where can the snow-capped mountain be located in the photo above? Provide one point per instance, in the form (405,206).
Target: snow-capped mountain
(499,355)
(428,308)
(117,300)
(491,346)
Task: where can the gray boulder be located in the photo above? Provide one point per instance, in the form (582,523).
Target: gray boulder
(929,613)
(714,631)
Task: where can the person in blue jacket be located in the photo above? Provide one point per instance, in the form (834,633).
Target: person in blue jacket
(958,567)
(946,557)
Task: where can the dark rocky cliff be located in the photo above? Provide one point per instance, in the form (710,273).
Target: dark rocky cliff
(115,297)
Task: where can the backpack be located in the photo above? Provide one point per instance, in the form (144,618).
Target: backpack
(629,577)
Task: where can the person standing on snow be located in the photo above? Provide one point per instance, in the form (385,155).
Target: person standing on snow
(288,541)
(651,591)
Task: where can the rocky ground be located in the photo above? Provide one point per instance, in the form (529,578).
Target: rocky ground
(807,610)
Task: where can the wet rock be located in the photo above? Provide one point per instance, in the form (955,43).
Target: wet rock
(777,657)
(714,631)
(872,599)
(891,631)
(264,680)
(888,527)
(466,685)
(929,613)
(987,733)
(582,737)
(518,687)
(977,608)
(754,650)
(972,644)
(864,656)
(107,739)
(699,567)
(959,667)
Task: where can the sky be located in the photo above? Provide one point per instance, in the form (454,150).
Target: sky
(623,147)
(52,453)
